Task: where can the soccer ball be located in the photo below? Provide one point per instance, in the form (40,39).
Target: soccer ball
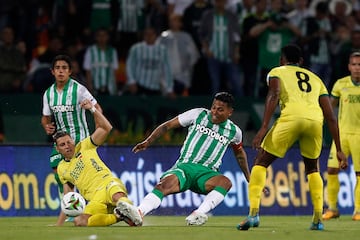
(73,204)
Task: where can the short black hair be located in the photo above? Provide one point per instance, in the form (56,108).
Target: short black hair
(225,97)
(292,53)
(61,57)
(59,134)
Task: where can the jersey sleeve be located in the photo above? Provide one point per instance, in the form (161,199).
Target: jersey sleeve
(188,117)
(46,111)
(237,141)
(60,170)
(83,94)
(335,92)
(272,74)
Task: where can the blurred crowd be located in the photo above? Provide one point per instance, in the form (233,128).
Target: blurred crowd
(172,47)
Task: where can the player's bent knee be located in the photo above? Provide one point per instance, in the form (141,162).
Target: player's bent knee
(225,183)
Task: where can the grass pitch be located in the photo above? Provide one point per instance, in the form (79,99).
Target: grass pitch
(173,228)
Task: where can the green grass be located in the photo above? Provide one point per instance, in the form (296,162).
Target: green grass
(173,228)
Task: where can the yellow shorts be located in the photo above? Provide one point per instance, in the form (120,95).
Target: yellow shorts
(285,132)
(350,146)
(101,201)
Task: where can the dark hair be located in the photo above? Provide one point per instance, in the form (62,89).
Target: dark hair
(292,53)
(322,7)
(59,134)
(61,57)
(225,97)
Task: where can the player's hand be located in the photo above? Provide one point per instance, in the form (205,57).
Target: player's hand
(343,162)
(50,128)
(140,146)
(86,104)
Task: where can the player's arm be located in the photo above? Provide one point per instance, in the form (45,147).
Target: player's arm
(68,187)
(334,101)
(48,125)
(271,102)
(241,159)
(158,132)
(103,126)
(333,127)
(98,107)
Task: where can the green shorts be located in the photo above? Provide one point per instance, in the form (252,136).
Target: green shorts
(55,158)
(192,176)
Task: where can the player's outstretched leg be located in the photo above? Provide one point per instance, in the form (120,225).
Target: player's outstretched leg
(248,222)
(128,213)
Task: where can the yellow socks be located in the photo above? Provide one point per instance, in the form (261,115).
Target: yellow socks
(256,185)
(316,193)
(99,220)
(333,186)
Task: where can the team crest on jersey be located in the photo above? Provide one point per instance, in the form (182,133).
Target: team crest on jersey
(211,133)
(62,108)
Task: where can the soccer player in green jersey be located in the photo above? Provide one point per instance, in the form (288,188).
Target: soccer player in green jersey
(210,132)
(83,168)
(62,111)
(346,94)
(304,102)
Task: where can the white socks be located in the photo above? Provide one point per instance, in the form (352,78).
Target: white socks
(211,200)
(149,203)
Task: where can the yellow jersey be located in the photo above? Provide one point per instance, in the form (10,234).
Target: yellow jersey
(300,90)
(348,94)
(85,170)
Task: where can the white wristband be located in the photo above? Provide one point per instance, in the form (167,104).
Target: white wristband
(93,109)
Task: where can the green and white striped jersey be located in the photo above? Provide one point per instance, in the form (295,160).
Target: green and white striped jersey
(130,15)
(102,64)
(65,107)
(149,66)
(206,142)
(219,45)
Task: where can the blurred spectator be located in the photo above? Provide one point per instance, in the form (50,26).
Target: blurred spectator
(76,19)
(192,17)
(102,15)
(39,76)
(272,35)
(191,22)
(249,49)
(316,32)
(342,58)
(241,9)
(220,38)
(12,63)
(177,7)
(148,74)
(339,11)
(100,64)
(301,11)
(130,21)
(183,54)
(155,15)
(147,65)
